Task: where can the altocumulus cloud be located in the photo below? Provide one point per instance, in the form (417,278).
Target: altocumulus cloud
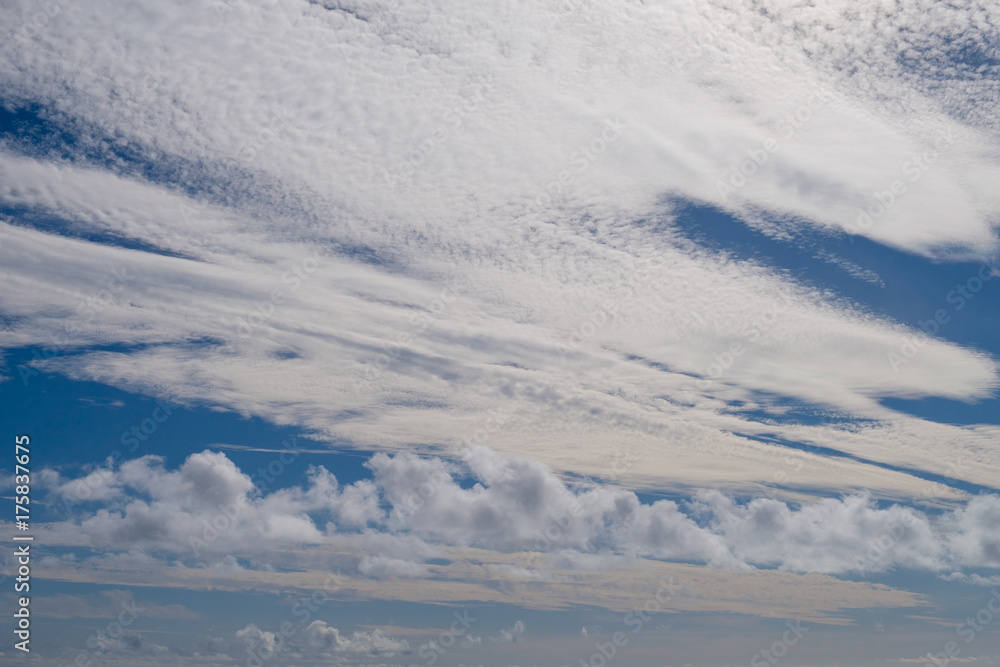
(290,223)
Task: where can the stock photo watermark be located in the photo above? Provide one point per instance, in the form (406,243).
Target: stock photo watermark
(957,298)
(635,620)
(492,423)
(451,120)
(419,322)
(265,309)
(789,125)
(246,153)
(610,309)
(87,311)
(750,329)
(434,649)
(773,655)
(913,168)
(100,640)
(968,629)
(259,652)
(39,19)
(581,159)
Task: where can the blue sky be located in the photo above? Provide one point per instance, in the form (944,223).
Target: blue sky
(369,332)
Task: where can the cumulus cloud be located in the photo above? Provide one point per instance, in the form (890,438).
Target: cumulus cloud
(386,224)
(510,635)
(325,639)
(228,564)
(831,536)
(519,504)
(976,540)
(259,641)
(129,644)
(317,640)
(209,507)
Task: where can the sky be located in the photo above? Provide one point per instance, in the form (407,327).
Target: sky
(570,334)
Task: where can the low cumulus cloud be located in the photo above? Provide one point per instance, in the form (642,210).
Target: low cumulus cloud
(209,506)
(209,509)
(511,635)
(326,640)
(317,640)
(129,645)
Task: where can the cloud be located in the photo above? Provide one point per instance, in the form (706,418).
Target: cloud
(460,290)
(325,639)
(728,60)
(929,659)
(520,504)
(402,230)
(511,635)
(381,567)
(227,565)
(417,505)
(208,507)
(259,641)
(829,536)
(977,538)
(317,640)
(107,605)
(974,579)
(129,644)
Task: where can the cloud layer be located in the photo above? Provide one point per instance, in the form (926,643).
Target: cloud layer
(209,511)
(408,226)
(277,236)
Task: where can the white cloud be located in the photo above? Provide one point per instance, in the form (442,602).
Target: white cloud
(316,640)
(325,639)
(259,641)
(208,507)
(129,644)
(830,536)
(215,152)
(381,567)
(315,179)
(974,579)
(703,85)
(515,505)
(976,539)
(511,635)
(309,179)
(227,565)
